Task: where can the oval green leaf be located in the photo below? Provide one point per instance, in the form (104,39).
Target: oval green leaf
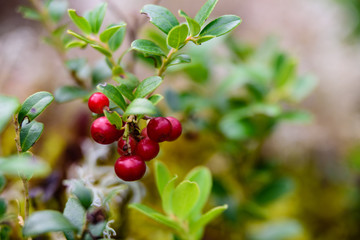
(140,106)
(3,207)
(147,47)
(84,194)
(30,132)
(46,221)
(161,17)
(96,16)
(179,59)
(156,98)
(79,36)
(113,94)
(147,86)
(114,118)
(177,36)
(23,165)
(69,93)
(9,106)
(116,40)
(193,25)
(184,198)
(162,176)
(221,25)
(206,218)
(167,196)
(57,9)
(109,32)
(79,21)
(34,105)
(205,11)
(126,92)
(75,213)
(74,44)
(101,50)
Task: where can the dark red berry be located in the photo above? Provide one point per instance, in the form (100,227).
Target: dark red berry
(147,149)
(158,129)
(103,132)
(130,168)
(175,130)
(144,133)
(97,102)
(123,146)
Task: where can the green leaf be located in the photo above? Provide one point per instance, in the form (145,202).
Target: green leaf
(84,194)
(34,105)
(126,92)
(296,116)
(167,196)
(206,218)
(140,106)
(9,106)
(100,73)
(2,182)
(147,86)
(177,36)
(101,50)
(23,165)
(162,176)
(205,11)
(130,81)
(80,22)
(274,190)
(147,47)
(74,44)
(302,87)
(113,94)
(46,221)
(116,40)
(179,59)
(203,39)
(161,17)
(79,36)
(57,9)
(75,213)
(193,25)
(156,98)
(221,25)
(29,13)
(5,232)
(185,196)
(202,176)
(278,230)
(96,16)
(3,207)
(30,132)
(110,31)
(114,118)
(69,93)
(151,213)
(96,230)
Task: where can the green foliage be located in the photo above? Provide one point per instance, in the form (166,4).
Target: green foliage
(113,94)
(114,118)
(30,132)
(205,11)
(95,17)
(140,106)
(161,17)
(81,22)
(84,194)
(147,86)
(177,36)
(69,93)
(75,213)
(23,165)
(221,26)
(147,47)
(10,105)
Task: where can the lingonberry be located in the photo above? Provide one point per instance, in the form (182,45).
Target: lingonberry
(123,146)
(103,132)
(97,102)
(159,129)
(175,130)
(144,133)
(147,149)
(130,168)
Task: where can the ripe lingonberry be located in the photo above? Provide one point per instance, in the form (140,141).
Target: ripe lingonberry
(123,146)
(144,133)
(97,102)
(130,168)
(103,132)
(175,130)
(147,149)
(158,129)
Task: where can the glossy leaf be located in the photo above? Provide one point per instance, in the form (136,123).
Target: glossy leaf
(156,98)
(185,196)
(2,182)
(179,59)
(46,221)
(34,105)
(167,196)
(147,47)
(177,36)
(147,86)
(116,40)
(161,17)
(69,93)
(193,25)
(114,118)
(140,106)
(96,16)
(101,50)
(30,132)
(84,194)
(126,92)
(79,21)
(221,25)
(113,94)
(109,32)
(205,11)
(9,106)
(75,213)
(57,9)
(74,44)
(206,218)
(23,165)
(162,176)
(203,39)
(29,13)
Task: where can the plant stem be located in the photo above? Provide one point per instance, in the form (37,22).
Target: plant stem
(164,64)
(27,198)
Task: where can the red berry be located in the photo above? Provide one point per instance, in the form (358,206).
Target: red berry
(147,149)
(97,102)
(175,130)
(103,132)
(144,133)
(159,129)
(130,168)
(123,147)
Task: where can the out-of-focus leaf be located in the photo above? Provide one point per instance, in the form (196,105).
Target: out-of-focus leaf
(100,73)
(140,106)
(205,11)
(279,230)
(303,87)
(74,44)
(274,190)
(79,36)
(9,106)
(57,9)
(110,31)
(75,213)
(179,59)
(30,132)
(207,217)
(69,93)
(116,40)
(184,199)
(147,47)
(34,105)
(96,16)
(23,165)
(101,49)
(84,194)
(221,25)
(156,98)
(5,232)
(161,17)
(29,13)
(177,36)
(297,116)
(173,100)
(2,182)
(3,207)
(147,86)
(79,21)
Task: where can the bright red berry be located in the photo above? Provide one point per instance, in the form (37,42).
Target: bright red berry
(103,132)
(175,130)
(123,146)
(144,133)
(147,149)
(130,168)
(97,102)
(159,129)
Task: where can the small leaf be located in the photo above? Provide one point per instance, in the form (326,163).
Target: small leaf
(206,218)
(162,176)
(147,86)
(116,40)
(79,36)
(221,25)
(177,36)
(57,9)
(274,190)
(23,165)
(69,93)
(205,11)
(75,213)
(296,116)
(96,17)
(100,73)
(110,31)
(74,44)
(130,80)
(9,105)
(156,98)
(30,132)
(3,207)
(34,105)
(101,50)
(84,194)
(113,94)
(79,21)
(193,25)
(179,59)
(167,196)
(147,47)
(302,87)
(46,221)
(184,198)
(161,17)
(203,39)
(2,182)
(140,106)
(29,13)
(126,92)
(114,118)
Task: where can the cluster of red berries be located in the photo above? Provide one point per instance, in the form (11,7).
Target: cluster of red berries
(136,148)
